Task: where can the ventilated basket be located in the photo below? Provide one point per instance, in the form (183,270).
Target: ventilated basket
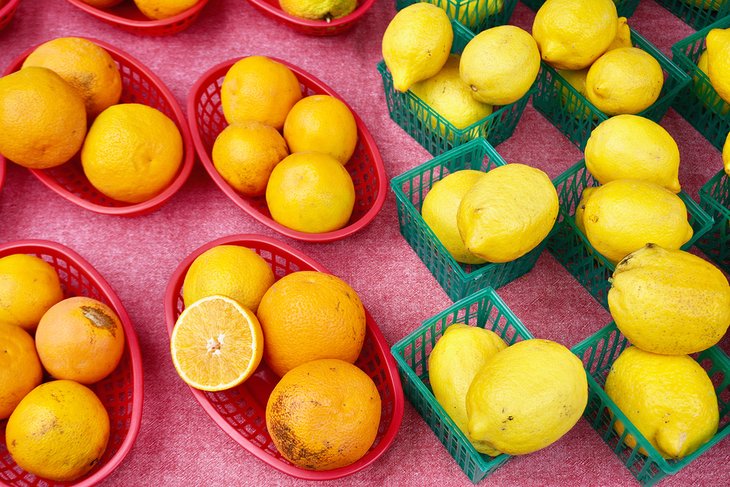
(434,132)
(598,352)
(121,392)
(475,15)
(625,8)
(484,309)
(715,200)
(698,102)
(697,13)
(572,248)
(272,9)
(7,10)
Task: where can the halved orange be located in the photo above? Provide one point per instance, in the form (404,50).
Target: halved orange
(216,344)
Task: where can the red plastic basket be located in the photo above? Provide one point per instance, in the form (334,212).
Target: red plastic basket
(139,85)
(271,8)
(7,10)
(121,392)
(206,120)
(127,16)
(240,411)
(2,171)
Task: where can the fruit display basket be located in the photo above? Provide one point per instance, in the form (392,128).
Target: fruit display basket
(272,9)
(698,102)
(697,13)
(2,171)
(434,132)
(365,166)
(121,392)
(572,248)
(484,309)
(625,8)
(410,188)
(139,85)
(7,10)
(598,352)
(240,411)
(475,15)
(715,200)
(127,17)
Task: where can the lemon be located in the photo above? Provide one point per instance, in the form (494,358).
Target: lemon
(454,361)
(416,44)
(629,146)
(472,13)
(450,97)
(669,301)
(580,209)
(571,34)
(440,207)
(318,9)
(718,61)
(726,154)
(526,397)
(507,213)
(624,215)
(623,35)
(669,399)
(576,79)
(705,4)
(704,93)
(624,80)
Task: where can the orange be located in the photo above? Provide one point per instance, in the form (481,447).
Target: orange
(321,123)
(231,270)
(259,89)
(310,315)
(42,118)
(20,369)
(216,344)
(162,9)
(245,154)
(324,414)
(80,339)
(132,152)
(59,431)
(88,68)
(28,287)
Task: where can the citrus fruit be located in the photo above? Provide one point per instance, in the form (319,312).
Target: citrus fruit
(726,154)
(718,61)
(230,270)
(525,398)
(669,301)
(245,153)
(59,431)
(28,287)
(87,67)
(576,79)
(623,35)
(321,123)
(309,315)
(20,368)
(324,414)
(163,9)
(705,4)
(416,44)
(706,94)
(259,89)
(471,14)
(42,118)
(80,339)
(668,398)
(310,192)
(216,344)
(132,152)
(318,9)
(580,209)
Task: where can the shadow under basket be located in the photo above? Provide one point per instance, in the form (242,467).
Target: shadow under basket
(484,309)
(715,200)
(475,15)
(697,13)
(625,8)
(598,352)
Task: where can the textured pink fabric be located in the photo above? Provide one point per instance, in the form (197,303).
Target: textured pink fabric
(178,444)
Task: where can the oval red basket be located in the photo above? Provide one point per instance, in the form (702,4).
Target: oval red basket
(121,392)
(206,120)
(240,411)
(272,9)
(140,85)
(127,16)
(2,171)
(7,10)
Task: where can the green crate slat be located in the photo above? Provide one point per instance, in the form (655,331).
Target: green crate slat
(625,8)
(484,309)
(598,352)
(697,13)
(715,200)
(467,12)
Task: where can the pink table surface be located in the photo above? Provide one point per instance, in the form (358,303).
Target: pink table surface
(178,443)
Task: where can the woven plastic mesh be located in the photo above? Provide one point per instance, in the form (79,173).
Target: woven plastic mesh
(598,352)
(475,15)
(697,13)
(625,8)
(715,200)
(484,309)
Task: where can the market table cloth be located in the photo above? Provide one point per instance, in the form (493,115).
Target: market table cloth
(178,443)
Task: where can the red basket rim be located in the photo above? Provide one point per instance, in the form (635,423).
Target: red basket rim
(2,170)
(188,159)
(140,25)
(8,7)
(33,245)
(308,24)
(389,363)
(363,133)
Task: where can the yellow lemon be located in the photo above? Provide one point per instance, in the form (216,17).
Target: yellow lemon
(623,35)
(163,9)
(580,209)
(318,9)
(718,62)
(706,94)
(726,154)
(576,79)
(472,13)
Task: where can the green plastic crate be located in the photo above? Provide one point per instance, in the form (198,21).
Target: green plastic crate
(484,309)
(431,130)
(466,11)
(696,12)
(715,200)
(698,101)
(598,352)
(572,248)
(411,187)
(625,8)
